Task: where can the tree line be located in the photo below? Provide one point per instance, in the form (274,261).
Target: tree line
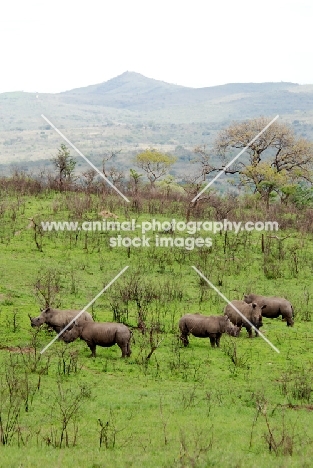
(277,164)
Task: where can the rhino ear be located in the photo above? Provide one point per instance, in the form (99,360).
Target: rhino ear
(263,306)
(254,304)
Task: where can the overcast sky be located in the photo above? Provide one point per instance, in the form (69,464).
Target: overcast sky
(60,45)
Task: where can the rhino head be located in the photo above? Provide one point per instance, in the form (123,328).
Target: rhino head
(230,328)
(37,321)
(72,333)
(256,317)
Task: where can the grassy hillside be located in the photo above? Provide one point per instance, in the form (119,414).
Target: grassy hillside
(242,405)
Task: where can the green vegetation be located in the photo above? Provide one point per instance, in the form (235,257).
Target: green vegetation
(154,163)
(242,405)
(65,165)
(277,160)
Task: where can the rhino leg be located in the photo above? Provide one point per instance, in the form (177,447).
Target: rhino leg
(218,339)
(256,333)
(124,350)
(184,339)
(249,330)
(92,348)
(212,341)
(128,353)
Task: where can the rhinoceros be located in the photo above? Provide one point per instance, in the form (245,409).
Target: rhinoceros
(252,312)
(203,326)
(275,306)
(104,334)
(58,319)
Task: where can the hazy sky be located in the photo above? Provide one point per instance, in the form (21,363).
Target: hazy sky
(60,45)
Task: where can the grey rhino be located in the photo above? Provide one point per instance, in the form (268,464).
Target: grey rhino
(104,334)
(275,306)
(203,326)
(58,319)
(253,312)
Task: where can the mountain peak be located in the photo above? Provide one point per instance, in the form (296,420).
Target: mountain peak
(139,80)
(124,88)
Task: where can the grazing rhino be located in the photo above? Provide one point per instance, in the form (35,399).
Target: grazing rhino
(275,306)
(253,312)
(58,319)
(104,334)
(203,326)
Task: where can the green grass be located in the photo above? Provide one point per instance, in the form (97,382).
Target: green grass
(183,407)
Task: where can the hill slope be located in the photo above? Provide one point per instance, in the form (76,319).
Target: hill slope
(131,112)
(134,91)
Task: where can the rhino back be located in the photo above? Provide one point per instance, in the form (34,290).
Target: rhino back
(63,317)
(187,322)
(200,325)
(274,305)
(243,307)
(105,334)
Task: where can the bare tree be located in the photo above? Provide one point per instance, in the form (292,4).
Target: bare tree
(192,186)
(203,158)
(116,175)
(109,156)
(89,178)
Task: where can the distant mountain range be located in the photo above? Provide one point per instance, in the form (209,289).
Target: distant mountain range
(135,92)
(131,112)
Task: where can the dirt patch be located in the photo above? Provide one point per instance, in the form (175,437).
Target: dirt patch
(14,349)
(298,407)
